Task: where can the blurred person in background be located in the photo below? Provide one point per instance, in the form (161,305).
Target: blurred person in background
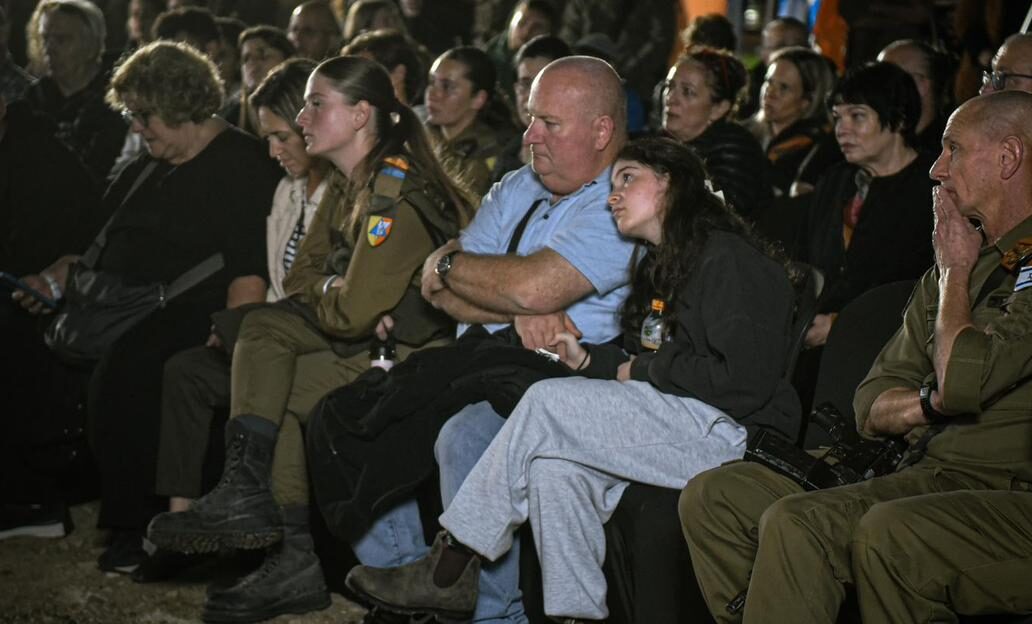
(779,33)
(14,81)
(529,19)
(1011,66)
(314,31)
(793,124)
(438,25)
(931,73)
(66,48)
(366,15)
(459,94)
(400,56)
(643,33)
(140,22)
(260,48)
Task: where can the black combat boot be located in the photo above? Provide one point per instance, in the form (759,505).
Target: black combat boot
(290,580)
(240,511)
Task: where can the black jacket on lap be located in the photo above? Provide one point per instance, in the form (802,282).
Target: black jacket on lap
(370,443)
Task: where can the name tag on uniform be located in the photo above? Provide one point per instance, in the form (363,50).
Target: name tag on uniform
(1024,279)
(379,230)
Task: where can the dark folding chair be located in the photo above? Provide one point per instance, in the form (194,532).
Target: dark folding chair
(857,336)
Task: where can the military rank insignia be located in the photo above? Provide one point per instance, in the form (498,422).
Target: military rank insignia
(379,230)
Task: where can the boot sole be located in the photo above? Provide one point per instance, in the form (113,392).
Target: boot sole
(295,606)
(194,543)
(442,616)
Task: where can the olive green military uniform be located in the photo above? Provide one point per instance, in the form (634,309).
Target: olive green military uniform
(473,153)
(287,357)
(951,533)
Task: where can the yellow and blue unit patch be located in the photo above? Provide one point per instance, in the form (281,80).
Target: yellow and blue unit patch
(379,230)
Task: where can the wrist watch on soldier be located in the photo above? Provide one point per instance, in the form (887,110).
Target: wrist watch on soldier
(924,394)
(444,265)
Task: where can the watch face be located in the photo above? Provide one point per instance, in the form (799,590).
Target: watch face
(443,265)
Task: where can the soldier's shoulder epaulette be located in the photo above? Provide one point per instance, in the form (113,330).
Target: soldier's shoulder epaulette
(388,183)
(1018,256)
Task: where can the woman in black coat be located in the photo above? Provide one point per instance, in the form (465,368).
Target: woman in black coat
(701,93)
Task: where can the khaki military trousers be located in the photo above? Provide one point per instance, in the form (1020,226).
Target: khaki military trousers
(919,545)
(281,368)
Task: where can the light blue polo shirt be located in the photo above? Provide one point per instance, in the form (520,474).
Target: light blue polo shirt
(579,227)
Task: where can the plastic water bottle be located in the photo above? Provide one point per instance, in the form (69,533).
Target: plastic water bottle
(382,353)
(652,330)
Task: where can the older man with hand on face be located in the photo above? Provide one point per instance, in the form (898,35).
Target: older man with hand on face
(947,532)
(542,254)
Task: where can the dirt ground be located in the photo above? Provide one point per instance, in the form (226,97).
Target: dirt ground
(56,581)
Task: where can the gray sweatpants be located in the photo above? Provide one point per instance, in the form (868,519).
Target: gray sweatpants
(563,459)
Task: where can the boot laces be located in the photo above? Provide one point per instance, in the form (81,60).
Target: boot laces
(234,455)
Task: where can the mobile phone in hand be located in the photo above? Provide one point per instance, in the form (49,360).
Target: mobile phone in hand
(12,283)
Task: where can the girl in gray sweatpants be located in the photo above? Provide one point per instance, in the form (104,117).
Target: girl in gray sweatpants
(652,415)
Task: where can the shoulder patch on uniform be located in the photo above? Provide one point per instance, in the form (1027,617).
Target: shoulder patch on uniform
(379,229)
(1019,255)
(395,166)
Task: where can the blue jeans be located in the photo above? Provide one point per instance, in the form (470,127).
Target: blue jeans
(462,441)
(394,539)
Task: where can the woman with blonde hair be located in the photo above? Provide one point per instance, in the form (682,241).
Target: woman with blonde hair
(793,124)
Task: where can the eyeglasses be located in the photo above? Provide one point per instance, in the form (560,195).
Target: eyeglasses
(129,116)
(998,79)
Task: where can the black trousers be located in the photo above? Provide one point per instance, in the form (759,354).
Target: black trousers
(125,411)
(195,389)
(42,417)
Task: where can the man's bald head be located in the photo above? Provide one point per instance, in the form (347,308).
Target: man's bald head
(986,162)
(1012,65)
(314,30)
(594,85)
(999,115)
(578,122)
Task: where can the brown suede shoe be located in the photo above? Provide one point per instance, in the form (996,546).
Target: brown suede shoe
(410,588)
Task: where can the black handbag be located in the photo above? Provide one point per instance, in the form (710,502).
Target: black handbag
(100,306)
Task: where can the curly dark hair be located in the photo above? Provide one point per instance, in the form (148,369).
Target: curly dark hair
(172,80)
(726,77)
(690,213)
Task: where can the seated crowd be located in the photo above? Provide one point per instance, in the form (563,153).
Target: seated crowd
(456,241)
